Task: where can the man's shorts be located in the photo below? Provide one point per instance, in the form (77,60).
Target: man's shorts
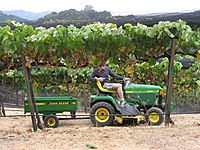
(111,86)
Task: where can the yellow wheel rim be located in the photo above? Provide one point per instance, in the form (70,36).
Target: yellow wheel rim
(154,117)
(51,121)
(102,115)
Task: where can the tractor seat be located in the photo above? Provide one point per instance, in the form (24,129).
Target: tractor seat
(102,90)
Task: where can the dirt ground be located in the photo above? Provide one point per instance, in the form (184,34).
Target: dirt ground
(16,133)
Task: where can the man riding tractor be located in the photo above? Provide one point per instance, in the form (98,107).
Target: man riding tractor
(138,103)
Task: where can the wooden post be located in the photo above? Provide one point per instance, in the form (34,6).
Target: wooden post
(2,110)
(32,103)
(26,74)
(85,100)
(17,96)
(170,84)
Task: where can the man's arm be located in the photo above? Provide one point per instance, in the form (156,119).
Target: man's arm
(114,75)
(94,78)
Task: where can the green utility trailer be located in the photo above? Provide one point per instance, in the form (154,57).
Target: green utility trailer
(50,106)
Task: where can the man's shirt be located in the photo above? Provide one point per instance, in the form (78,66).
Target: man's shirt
(104,74)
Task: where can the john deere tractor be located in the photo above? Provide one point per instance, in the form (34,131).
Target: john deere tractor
(144,105)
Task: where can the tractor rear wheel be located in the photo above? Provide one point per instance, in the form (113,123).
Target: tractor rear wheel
(155,116)
(100,114)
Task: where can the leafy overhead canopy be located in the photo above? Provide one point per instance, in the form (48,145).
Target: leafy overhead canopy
(88,45)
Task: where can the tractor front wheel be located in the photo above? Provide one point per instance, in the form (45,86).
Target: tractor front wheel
(155,116)
(100,114)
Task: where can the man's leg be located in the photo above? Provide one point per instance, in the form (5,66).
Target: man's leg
(120,91)
(117,87)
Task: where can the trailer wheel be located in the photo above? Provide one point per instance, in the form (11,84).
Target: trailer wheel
(51,121)
(105,110)
(155,116)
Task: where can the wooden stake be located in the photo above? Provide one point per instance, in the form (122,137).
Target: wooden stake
(170,84)
(2,110)
(30,93)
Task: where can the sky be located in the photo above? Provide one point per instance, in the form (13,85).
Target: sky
(114,6)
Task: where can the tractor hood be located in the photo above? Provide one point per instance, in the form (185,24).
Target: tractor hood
(141,88)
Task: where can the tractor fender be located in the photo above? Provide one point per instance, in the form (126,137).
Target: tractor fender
(101,98)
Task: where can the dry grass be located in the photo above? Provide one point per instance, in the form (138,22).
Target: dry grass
(17,134)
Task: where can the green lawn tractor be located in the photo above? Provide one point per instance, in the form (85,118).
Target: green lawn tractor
(145,105)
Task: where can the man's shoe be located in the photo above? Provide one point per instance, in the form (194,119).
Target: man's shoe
(125,104)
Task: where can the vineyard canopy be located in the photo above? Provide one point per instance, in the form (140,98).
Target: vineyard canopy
(78,47)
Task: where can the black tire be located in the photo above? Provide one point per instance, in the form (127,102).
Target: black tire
(51,121)
(104,109)
(155,116)
(44,115)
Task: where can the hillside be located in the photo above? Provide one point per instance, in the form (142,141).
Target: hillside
(73,14)
(85,17)
(79,18)
(192,18)
(5,17)
(26,14)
